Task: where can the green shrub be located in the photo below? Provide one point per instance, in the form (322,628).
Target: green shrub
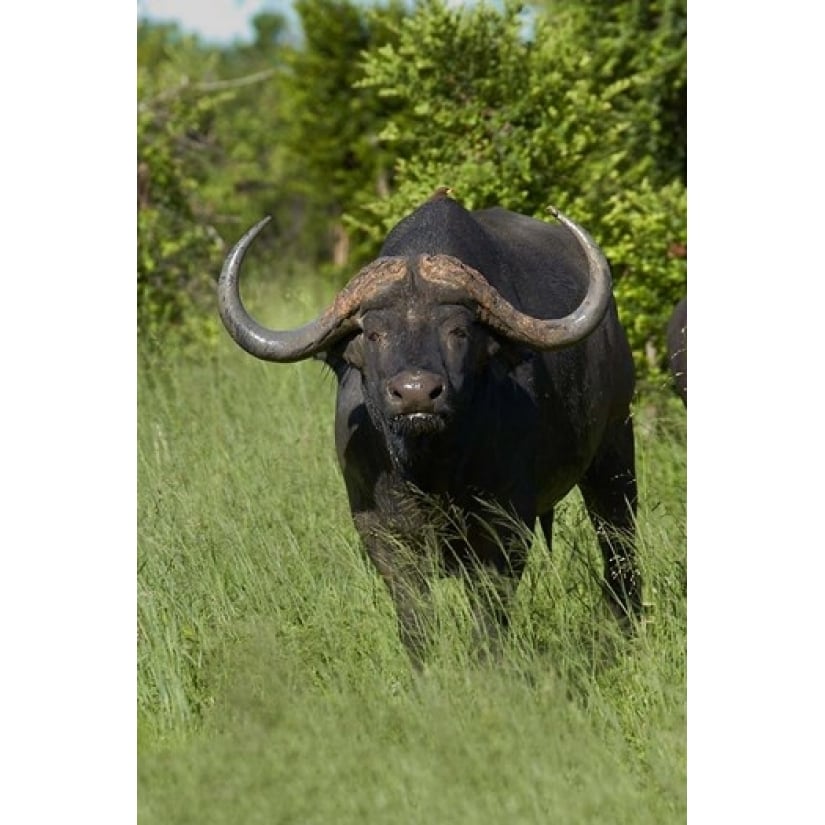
(179,253)
(524,116)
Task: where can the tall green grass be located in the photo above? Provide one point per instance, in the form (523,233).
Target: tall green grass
(271,683)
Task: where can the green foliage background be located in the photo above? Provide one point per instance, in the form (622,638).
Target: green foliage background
(341,129)
(340,133)
(525,119)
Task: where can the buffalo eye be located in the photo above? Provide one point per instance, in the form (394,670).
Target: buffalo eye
(373,336)
(459,333)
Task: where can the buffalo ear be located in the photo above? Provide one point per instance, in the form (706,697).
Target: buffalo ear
(353,351)
(506,353)
(344,353)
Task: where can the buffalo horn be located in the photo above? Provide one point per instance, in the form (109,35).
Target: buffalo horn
(296,344)
(339,319)
(536,333)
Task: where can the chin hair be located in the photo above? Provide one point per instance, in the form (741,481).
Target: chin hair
(416,424)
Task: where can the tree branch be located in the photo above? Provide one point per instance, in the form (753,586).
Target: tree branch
(206,87)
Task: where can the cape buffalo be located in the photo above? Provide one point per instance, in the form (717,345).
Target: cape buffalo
(480,360)
(677,348)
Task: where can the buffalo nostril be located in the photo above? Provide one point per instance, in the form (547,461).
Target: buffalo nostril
(414,391)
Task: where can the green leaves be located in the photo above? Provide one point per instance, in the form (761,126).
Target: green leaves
(177,250)
(192,160)
(563,110)
(338,137)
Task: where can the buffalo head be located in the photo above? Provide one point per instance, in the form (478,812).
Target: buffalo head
(441,280)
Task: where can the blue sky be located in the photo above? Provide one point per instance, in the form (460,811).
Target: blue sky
(219,21)
(213,20)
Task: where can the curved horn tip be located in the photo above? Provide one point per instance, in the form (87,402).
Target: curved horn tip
(553,211)
(249,236)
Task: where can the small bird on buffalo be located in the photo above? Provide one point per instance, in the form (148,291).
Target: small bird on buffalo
(441,193)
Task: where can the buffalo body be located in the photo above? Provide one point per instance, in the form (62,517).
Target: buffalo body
(482,371)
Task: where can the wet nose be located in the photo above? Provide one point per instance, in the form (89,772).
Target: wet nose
(414,391)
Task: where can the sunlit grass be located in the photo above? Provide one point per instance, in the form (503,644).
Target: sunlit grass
(272,685)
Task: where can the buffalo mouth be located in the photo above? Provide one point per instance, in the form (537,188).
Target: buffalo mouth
(418,423)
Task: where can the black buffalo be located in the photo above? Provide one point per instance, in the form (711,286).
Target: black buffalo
(480,361)
(677,348)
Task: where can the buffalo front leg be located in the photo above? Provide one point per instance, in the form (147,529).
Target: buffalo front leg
(546,521)
(492,578)
(407,577)
(610,495)
(491,594)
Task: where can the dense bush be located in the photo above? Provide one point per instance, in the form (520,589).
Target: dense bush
(179,251)
(226,135)
(337,135)
(514,112)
